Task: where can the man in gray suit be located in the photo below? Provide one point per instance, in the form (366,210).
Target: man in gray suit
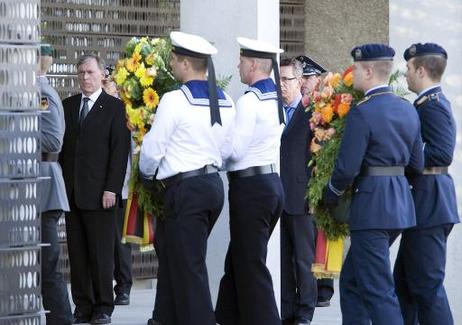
(53,196)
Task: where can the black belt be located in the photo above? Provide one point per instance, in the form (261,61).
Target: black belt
(382,171)
(50,156)
(252,171)
(207,169)
(435,170)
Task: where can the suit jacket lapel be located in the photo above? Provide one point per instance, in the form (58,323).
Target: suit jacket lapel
(75,110)
(97,107)
(297,113)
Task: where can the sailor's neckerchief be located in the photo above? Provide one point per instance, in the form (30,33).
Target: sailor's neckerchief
(197,94)
(264,89)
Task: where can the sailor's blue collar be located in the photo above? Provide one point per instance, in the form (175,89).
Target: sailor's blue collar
(197,93)
(429,91)
(265,89)
(379,89)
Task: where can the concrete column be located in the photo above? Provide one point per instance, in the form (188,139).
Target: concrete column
(426,22)
(221,22)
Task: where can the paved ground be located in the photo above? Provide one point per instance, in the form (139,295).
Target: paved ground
(142,302)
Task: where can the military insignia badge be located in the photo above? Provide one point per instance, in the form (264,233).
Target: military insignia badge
(412,50)
(358,54)
(44,103)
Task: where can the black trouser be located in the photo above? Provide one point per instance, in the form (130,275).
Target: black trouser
(246,295)
(192,207)
(298,284)
(122,256)
(90,241)
(54,290)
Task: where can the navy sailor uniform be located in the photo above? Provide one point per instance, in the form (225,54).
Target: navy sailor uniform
(246,294)
(182,140)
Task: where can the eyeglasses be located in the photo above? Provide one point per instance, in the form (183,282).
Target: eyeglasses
(285,79)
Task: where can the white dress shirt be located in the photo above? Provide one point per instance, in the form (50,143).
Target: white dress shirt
(181,138)
(93,97)
(256,136)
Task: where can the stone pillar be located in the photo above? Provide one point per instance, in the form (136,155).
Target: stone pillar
(221,22)
(424,23)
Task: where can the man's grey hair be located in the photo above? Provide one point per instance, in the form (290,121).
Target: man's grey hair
(295,64)
(88,57)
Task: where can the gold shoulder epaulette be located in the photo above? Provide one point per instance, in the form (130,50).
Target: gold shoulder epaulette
(434,96)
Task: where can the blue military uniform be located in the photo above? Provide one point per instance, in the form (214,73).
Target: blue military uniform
(420,266)
(381,138)
(53,201)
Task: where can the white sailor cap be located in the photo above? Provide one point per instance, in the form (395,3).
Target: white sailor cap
(257,49)
(191,45)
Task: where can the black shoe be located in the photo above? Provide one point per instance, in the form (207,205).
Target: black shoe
(323,303)
(122,299)
(302,321)
(101,318)
(80,318)
(153,322)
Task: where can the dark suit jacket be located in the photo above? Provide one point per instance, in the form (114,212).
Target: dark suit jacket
(94,159)
(295,155)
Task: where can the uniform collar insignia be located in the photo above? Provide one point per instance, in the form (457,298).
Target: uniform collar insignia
(264,89)
(44,103)
(197,93)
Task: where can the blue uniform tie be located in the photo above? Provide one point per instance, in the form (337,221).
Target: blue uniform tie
(289,112)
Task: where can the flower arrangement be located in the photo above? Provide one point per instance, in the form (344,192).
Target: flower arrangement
(142,77)
(330,103)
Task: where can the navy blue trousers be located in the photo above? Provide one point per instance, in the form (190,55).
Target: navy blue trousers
(367,290)
(246,295)
(54,289)
(298,284)
(419,276)
(192,207)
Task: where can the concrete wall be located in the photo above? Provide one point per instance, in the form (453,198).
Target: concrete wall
(334,27)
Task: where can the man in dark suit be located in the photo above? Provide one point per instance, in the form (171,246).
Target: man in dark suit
(52,195)
(381,138)
(311,78)
(298,285)
(94,160)
(420,266)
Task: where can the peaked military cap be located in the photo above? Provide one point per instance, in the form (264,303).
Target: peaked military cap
(46,49)
(310,67)
(420,49)
(372,52)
